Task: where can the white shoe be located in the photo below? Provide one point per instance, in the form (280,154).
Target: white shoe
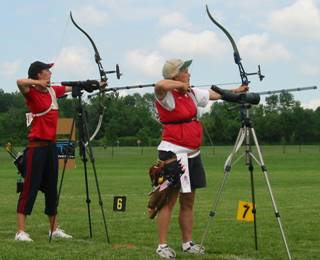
(22,236)
(193,248)
(59,233)
(165,252)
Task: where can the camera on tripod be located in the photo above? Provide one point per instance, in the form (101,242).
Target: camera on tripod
(240,98)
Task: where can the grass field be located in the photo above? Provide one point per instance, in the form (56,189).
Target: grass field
(294,177)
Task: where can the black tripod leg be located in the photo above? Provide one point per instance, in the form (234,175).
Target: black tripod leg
(265,172)
(99,192)
(227,169)
(250,168)
(62,177)
(92,160)
(82,140)
(88,201)
(253,207)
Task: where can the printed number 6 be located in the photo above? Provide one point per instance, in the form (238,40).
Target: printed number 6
(119,203)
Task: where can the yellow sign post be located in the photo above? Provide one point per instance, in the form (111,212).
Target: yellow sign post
(244,212)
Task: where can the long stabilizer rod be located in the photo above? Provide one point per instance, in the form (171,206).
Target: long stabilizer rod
(271,92)
(115,89)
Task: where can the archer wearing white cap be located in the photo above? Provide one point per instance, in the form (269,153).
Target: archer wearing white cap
(176,104)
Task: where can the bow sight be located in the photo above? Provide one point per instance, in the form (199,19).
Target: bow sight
(117,71)
(260,76)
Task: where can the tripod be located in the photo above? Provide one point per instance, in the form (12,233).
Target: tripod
(244,136)
(84,149)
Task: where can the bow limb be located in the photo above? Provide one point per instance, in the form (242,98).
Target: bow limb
(103,77)
(234,46)
(236,53)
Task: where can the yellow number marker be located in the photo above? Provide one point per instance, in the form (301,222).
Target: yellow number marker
(245,211)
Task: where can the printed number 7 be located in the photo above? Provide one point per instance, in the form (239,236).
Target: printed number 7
(247,207)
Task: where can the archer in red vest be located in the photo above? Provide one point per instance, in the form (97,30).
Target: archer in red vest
(40,169)
(177,104)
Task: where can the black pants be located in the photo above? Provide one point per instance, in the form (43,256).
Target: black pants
(196,170)
(41,173)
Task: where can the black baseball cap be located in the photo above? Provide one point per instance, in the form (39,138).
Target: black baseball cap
(36,67)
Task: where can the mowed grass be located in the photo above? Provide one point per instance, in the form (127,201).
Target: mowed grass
(294,177)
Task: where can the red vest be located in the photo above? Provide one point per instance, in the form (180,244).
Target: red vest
(188,134)
(43,127)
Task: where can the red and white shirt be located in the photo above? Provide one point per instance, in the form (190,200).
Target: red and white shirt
(175,107)
(43,127)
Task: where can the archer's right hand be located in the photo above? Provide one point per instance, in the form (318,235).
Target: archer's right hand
(43,83)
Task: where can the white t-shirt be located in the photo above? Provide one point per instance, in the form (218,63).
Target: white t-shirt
(200,98)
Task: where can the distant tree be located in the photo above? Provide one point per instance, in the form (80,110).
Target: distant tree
(286,101)
(129,118)
(272,103)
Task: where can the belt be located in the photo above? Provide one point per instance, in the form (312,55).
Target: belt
(33,144)
(174,158)
(180,122)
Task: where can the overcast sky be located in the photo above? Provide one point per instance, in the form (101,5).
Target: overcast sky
(139,35)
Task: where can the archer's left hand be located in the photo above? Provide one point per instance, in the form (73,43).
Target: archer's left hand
(242,89)
(103,84)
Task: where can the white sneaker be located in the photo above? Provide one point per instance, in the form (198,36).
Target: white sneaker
(59,233)
(193,248)
(22,236)
(165,252)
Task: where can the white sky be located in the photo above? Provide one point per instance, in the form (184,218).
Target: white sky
(282,36)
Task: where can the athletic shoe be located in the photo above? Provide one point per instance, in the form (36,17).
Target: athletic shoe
(59,233)
(165,252)
(22,236)
(193,248)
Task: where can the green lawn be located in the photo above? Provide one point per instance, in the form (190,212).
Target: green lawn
(294,177)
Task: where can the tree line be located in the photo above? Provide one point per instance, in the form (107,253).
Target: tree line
(127,119)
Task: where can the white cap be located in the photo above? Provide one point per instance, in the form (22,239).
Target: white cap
(172,67)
